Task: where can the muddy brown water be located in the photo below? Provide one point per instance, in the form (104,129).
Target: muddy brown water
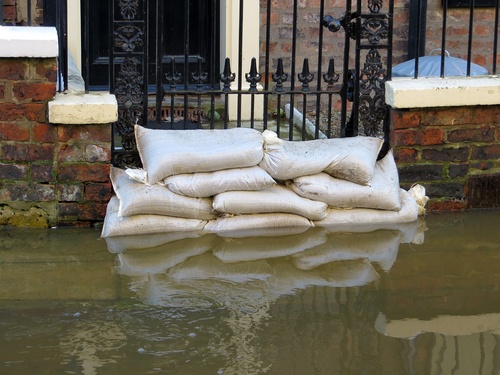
(414,299)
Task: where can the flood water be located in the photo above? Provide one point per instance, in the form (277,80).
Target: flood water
(414,299)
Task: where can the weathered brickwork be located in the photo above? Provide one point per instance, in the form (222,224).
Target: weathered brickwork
(49,174)
(441,148)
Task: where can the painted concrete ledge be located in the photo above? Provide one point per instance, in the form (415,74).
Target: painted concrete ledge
(19,41)
(442,92)
(73,108)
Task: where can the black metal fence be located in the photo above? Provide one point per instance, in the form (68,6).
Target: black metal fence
(473,11)
(195,94)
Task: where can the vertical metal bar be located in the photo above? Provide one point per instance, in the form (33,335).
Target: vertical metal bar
(495,38)
(1,14)
(213,68)
(84,5)
(471,31)
(292,74)
(159,60)
(418,46)
(355,104)
(28,8)
(443,36)
(320,60)
(417,26)
(145,62)
(266,69)
(240,60)
(111,46)
(186,56)
(345,79)
(63,45)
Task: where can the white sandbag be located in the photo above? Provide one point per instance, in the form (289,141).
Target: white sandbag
(233,250)
(138,199)
(335,274)
(144,224)
(276,198)
(241,225)
(382,193)
(336,218)
(120,244)
(351,159)
(169,152)
(209,267)
(156,260)
(379,246)
(206,184)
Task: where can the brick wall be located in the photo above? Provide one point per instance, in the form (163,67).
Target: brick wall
(49,175)
(443,148)
(15,12)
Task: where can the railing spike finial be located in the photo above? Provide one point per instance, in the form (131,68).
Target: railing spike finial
(173,78)
(280,76)
(305,77)
(253,77)
(227,76)
(330,77)
(199,76)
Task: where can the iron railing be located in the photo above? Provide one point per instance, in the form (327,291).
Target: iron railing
(54,13)
(337,91)
(419,40)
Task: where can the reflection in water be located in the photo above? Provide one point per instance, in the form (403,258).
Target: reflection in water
(419,298)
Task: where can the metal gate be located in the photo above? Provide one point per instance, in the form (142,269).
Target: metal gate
(337,91)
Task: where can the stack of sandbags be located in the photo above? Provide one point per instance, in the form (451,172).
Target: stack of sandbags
(343,173)
(239,182)
(182,171)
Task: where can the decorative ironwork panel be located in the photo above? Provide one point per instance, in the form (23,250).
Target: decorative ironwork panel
(129,67)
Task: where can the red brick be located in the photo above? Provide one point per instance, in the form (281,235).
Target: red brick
(491,151)
(14,151)
(84,172)
(404,137)
(14,132)
(486,115)
(70,153)
(475,134)
(42,172)
(98,192)
(2,91)
(447,116)
(95,133)
(13,172)
(46,69)
(44,133)
(13,69)
(405,155)
(431,136)
(30,111)
(23,91)
(41,152)
(405,119)
(452,205)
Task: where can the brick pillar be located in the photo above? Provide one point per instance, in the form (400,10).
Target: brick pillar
(441,148)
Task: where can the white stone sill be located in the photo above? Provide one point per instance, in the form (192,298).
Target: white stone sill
(442,92)
(24,41)
(76,107)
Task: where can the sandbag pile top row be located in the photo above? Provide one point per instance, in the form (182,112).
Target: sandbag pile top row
(171,152)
